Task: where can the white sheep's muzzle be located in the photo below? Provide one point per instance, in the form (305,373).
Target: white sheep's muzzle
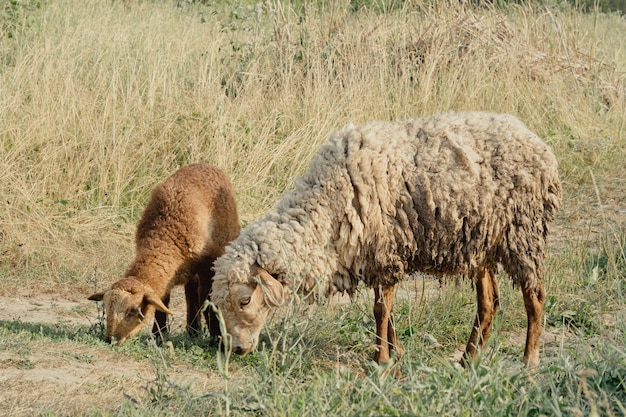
(244,345)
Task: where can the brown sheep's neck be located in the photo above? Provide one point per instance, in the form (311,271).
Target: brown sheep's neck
(160,273)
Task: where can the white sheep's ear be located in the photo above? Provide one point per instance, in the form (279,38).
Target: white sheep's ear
(97,296)
(157,303)
(273,291)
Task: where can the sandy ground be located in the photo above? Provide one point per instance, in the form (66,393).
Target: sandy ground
(47,309)
(71,378)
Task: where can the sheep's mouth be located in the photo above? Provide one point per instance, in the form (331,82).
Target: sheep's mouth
(240,351)
(235,349)
(114,340)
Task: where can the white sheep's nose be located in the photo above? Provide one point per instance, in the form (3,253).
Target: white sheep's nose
(239,351)
(244,349)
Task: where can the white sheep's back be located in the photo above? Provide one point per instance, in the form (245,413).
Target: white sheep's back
(440,195)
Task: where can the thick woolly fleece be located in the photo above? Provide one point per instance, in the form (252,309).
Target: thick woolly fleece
(191,215)
(442,195)
(185,226)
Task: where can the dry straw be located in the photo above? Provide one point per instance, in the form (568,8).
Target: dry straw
(100,101)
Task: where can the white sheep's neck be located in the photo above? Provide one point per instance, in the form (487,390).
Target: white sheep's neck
(296,242)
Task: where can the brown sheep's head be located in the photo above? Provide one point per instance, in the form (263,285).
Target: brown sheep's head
(128,306)
(246,307)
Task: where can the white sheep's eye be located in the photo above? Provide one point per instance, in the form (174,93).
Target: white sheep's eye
(244,302)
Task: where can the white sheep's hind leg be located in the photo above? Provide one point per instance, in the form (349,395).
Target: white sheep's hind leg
(392,335)
(533,301)
(488,297)
(386,337)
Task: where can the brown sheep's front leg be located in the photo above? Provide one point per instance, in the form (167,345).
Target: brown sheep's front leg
(533,301)
(386,337)
(160,319)
(488,297)
(205,277)
(193,306)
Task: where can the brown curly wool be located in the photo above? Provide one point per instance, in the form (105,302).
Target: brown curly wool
(185,226)
(457,193)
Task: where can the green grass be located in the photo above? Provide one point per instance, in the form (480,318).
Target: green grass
(100,101)
(307,368)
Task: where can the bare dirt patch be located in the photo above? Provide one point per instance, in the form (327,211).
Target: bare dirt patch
(69,377)
(47,309)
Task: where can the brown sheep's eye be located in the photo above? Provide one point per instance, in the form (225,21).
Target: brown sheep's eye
(244,302)
(134,313)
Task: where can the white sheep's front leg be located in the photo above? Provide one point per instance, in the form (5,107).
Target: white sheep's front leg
(533,301)
(386,337)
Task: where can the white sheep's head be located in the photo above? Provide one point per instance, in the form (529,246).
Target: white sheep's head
(246,305)
(129,306)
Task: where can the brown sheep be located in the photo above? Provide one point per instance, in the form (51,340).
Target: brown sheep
(453,194)
(188,221)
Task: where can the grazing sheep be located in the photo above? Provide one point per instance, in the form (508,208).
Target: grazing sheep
(188,221)
(448,195)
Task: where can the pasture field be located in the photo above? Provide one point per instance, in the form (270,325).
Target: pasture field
(101,100)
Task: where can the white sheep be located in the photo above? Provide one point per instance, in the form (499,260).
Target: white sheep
(186,225)
(447,195)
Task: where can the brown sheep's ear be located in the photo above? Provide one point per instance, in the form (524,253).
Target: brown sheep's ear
(97,296)
(157,303)
(272,288)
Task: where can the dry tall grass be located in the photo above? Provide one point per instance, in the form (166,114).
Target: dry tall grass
(99,101)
